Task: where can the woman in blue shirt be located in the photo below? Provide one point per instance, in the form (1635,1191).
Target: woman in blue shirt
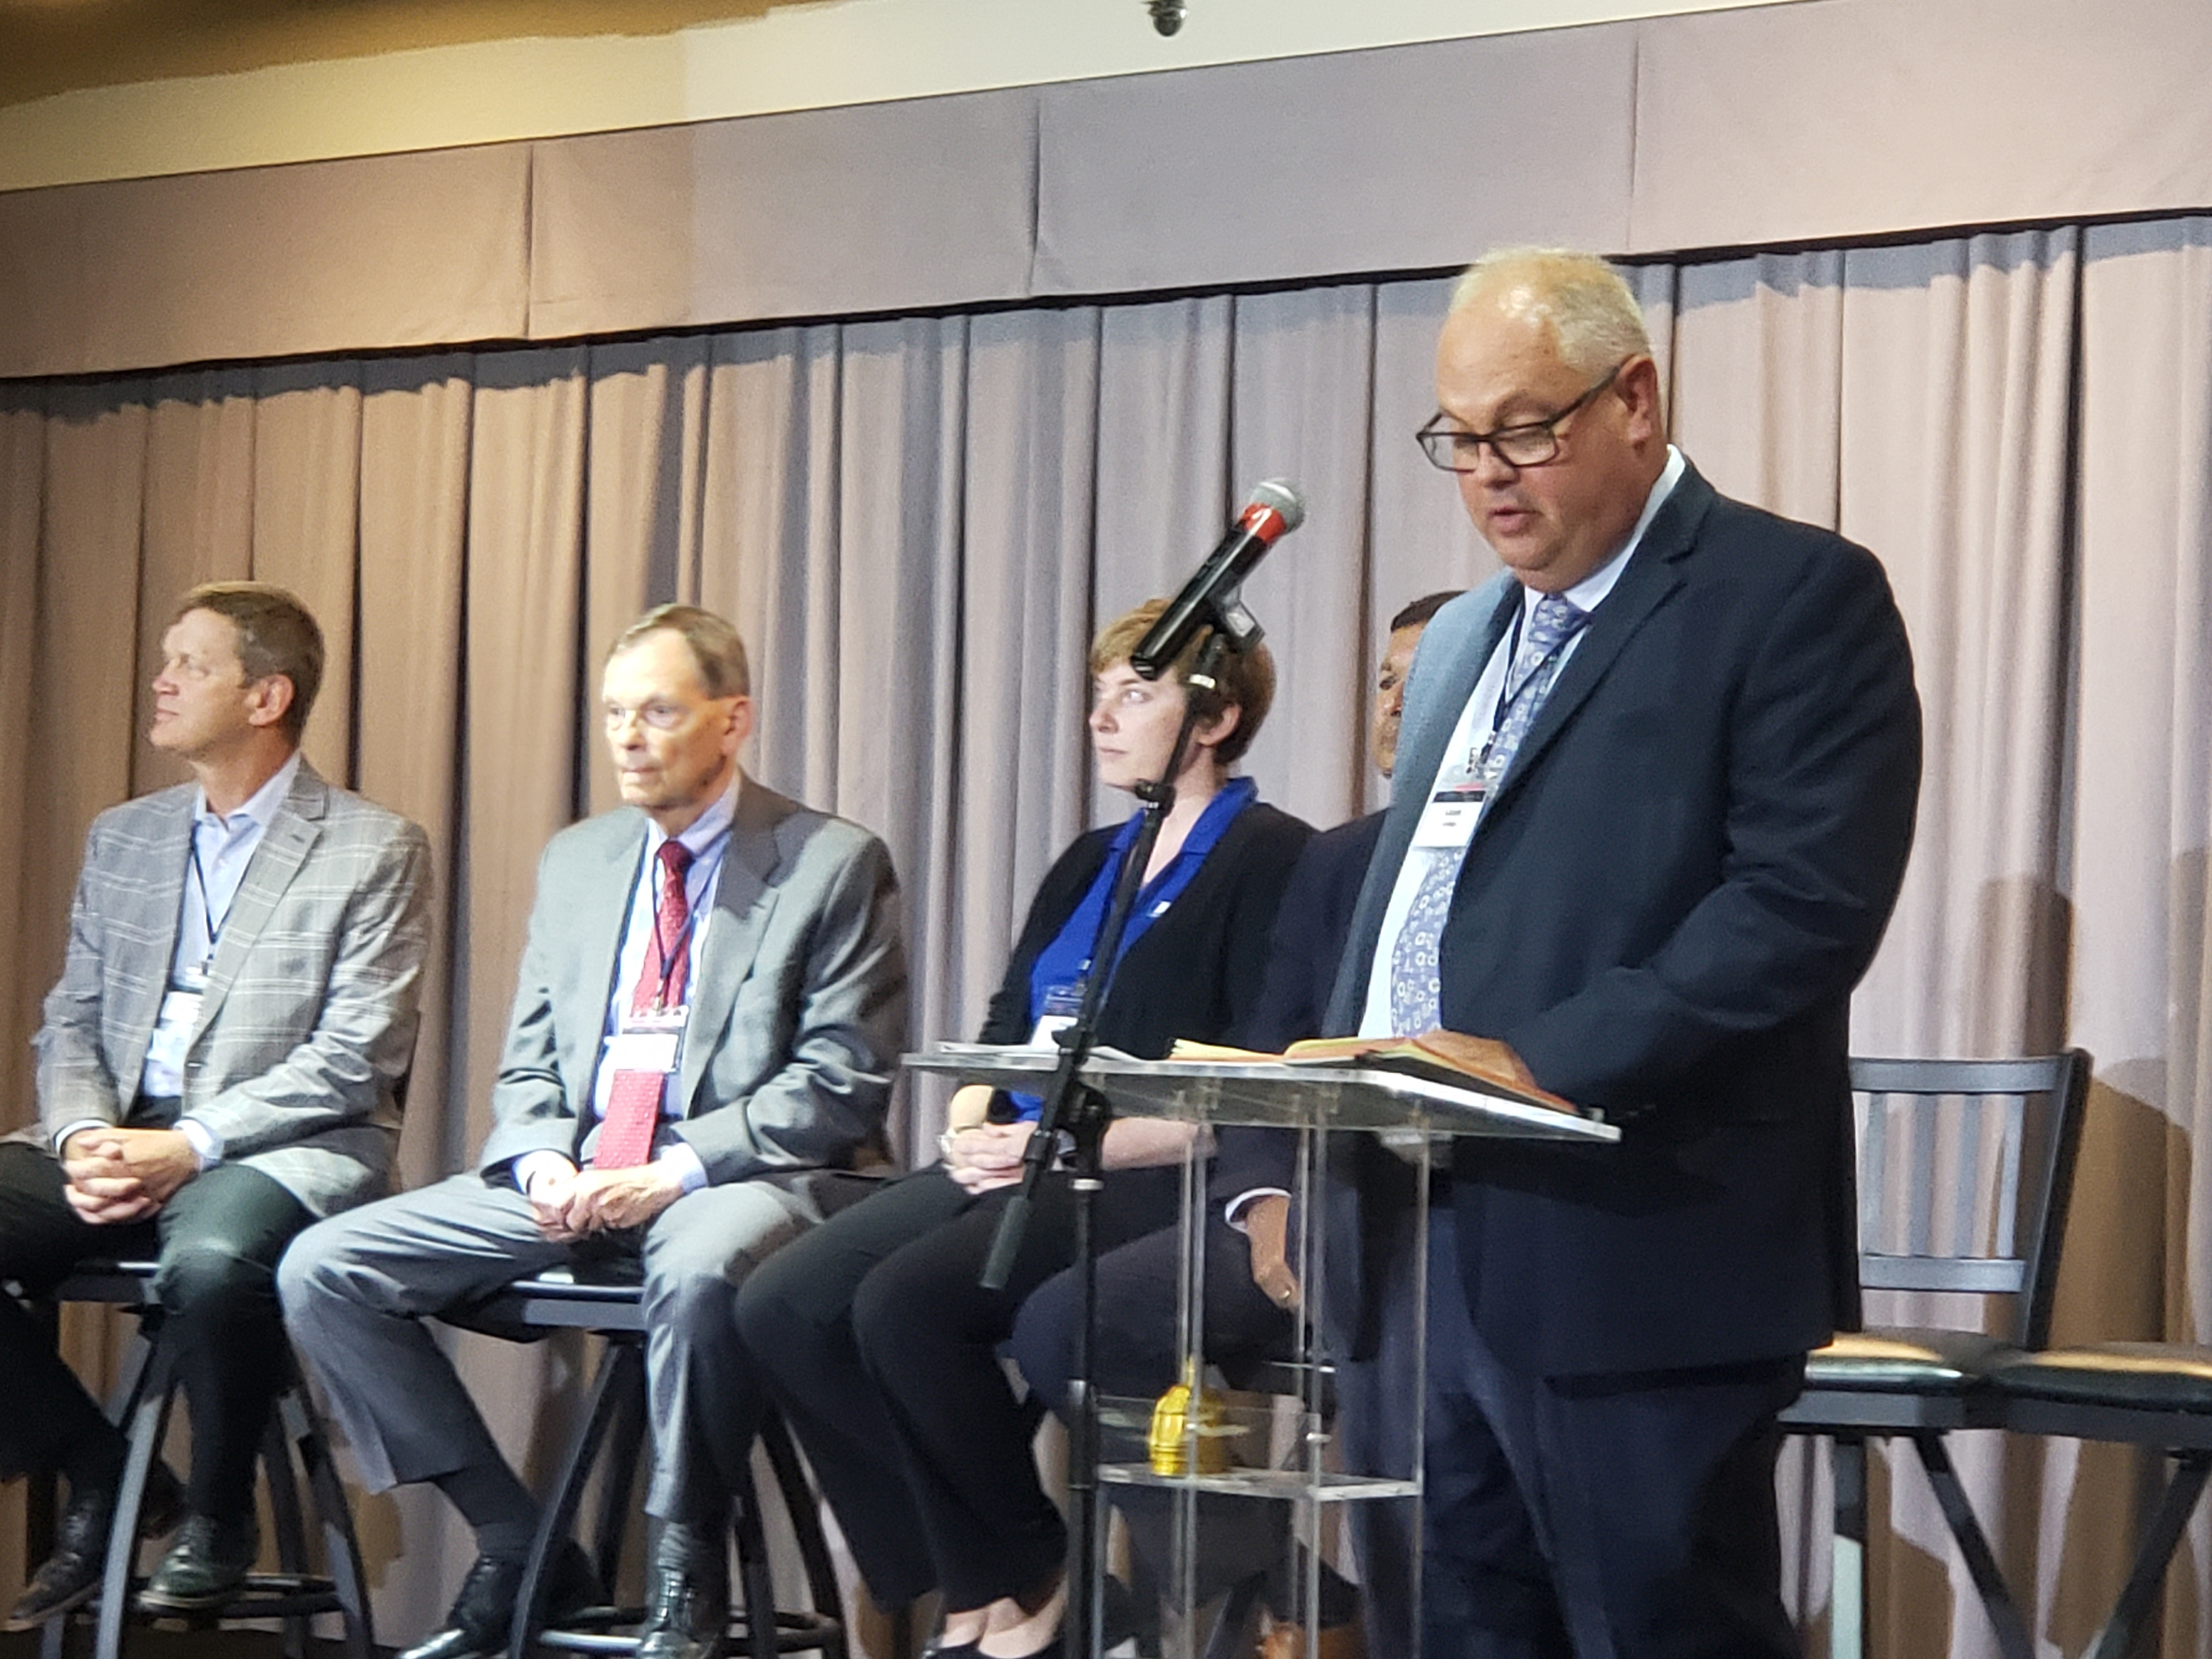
(872,1329)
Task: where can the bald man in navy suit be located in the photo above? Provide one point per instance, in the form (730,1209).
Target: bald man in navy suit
(1652,805)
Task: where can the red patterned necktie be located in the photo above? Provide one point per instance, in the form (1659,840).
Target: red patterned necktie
(634,1098)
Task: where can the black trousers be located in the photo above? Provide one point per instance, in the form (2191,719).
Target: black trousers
(217,1241)
(1597,1517)
(882,1350)
(1135,1355)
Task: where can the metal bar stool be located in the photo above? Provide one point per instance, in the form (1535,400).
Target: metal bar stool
(295,1457)
(2157,1395)
(612,1430)
(1965,1167)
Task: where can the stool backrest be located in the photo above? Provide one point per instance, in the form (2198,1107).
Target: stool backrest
(1965,1170)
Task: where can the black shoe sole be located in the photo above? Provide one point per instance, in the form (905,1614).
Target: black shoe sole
(153,1600)
(67,1605)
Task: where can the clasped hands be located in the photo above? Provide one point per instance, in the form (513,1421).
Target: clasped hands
(981,1156)
(572,1205)
(118,1174)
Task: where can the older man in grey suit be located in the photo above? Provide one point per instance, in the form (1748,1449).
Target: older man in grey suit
(712,1003)
(218,1066)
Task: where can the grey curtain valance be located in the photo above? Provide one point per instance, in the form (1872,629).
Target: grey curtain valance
(1828,121)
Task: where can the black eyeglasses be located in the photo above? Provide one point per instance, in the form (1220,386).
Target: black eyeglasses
(1531,444)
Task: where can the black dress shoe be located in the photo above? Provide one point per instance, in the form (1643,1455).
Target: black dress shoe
(70,1578)
(204,1567)
(482,1614)
(688,1607)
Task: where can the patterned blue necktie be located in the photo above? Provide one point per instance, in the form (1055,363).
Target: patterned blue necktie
(1416,984)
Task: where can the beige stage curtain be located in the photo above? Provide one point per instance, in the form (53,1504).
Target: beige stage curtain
(918,521)
(1919,398)
(2141,808)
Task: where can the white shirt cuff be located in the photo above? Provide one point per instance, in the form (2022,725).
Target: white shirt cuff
(531,1165)
(1233,1211)
(207,1145)
(61,1134)
(684,1159)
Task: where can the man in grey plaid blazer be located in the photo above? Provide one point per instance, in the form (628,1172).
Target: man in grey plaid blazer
(219,1066)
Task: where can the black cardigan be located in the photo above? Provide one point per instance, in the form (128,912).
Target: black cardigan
(1197,972)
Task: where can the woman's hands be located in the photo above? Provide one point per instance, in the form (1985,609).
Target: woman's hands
(981,1156)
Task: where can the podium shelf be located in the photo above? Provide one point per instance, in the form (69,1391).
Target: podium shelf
(1282,1484)
(1272,1093)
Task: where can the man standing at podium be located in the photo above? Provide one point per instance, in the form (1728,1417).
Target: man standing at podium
(1653,806)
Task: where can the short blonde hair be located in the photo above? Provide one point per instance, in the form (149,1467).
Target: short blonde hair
(1595,320)
(1246,678)
(716,651)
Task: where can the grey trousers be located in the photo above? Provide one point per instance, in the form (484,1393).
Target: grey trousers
(357,1288)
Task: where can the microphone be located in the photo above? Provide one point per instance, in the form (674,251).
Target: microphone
(1211,596)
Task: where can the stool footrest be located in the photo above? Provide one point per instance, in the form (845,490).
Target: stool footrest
(264,1595)
(565,1640)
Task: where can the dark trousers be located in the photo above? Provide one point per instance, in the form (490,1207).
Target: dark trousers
(882,1350)
(1135,1355)
(217,1241)
(1597,1517)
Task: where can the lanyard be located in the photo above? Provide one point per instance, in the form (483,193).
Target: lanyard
(1057,977)
(210,924)
(663,968)
(1153,900)
(1064,965)
(1510,693)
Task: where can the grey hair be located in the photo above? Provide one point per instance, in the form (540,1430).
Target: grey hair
(716,651)
(1594,319)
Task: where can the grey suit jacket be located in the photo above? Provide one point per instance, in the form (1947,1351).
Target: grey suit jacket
(308,1022)
(798,1006)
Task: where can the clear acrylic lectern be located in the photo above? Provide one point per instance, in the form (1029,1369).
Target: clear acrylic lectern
(1254,1500)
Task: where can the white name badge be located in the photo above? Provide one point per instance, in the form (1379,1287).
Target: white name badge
(652,1049)
(173,1030)
(1048,1027)
(1062,1003)
(1450,818)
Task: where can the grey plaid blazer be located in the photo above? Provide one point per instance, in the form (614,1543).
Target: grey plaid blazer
(308,1022)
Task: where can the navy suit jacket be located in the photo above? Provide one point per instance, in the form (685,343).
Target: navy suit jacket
(1304,951)
(1673,891)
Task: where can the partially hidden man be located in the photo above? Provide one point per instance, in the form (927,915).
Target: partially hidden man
(219,1066)
(711,1006)
(1655,792)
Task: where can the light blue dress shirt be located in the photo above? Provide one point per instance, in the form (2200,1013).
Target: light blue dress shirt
(222,847)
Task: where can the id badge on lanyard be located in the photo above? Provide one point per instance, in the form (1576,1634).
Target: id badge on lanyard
(1449,820)
(1455,807)
(173,1028)
(1061,1005)
(651,1042)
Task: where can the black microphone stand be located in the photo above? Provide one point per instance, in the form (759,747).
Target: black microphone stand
(1072,1105)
